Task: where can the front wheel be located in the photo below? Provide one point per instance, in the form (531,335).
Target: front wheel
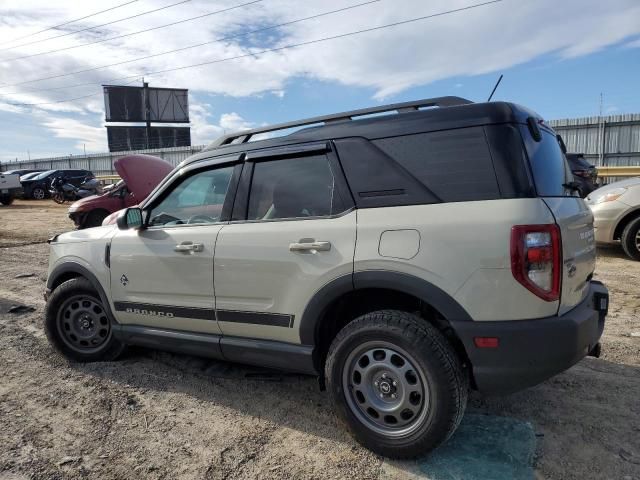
(630,239)
(78,325)
(397,383)
(6,199)
(58,197)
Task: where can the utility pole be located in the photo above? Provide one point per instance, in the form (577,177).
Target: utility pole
(147,110)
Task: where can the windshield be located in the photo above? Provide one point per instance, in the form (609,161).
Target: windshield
(43,175)
(548,164)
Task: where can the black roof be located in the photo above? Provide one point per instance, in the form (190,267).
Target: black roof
(442,113)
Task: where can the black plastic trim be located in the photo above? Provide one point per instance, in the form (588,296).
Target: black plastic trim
(288,151)
(252,351)
(256,318)
(269,353)
(531,351)
(382,279)
(72,267)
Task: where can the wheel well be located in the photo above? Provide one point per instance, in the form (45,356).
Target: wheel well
(63,278)
(617,233)
(359,302)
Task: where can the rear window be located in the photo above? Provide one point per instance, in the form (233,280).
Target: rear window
(548,164)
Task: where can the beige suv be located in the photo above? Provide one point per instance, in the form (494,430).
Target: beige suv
(403,254)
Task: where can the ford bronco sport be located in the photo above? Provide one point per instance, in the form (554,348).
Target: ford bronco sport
(402,258)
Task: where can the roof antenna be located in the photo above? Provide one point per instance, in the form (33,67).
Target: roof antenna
(495,88)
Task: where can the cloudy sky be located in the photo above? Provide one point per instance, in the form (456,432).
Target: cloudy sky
(557,58)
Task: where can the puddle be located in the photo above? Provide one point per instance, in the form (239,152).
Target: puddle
(485,447)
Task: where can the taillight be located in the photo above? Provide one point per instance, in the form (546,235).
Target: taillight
(536,259)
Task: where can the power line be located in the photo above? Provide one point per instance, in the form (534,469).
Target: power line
(68,22)
(295,45)
(72,47)
(91,28)
(228,37)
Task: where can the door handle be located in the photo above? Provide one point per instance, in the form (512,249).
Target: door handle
(310,247)
(189,247)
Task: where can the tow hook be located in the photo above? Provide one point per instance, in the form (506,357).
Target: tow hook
(596,350)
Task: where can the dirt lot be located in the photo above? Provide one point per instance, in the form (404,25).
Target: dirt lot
(158,415)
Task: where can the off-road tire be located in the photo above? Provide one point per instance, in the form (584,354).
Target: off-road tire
(629,239)
(447,383)
(94,218)
(56,307)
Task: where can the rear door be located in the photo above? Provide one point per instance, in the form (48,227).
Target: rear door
(551,174)
(294,231)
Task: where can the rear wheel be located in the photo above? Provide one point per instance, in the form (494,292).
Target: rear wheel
(396,383)
(58,197)
(6,199)
(630,239)
(78,325)
(38,193)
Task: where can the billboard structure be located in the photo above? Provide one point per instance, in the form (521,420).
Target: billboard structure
(137,138)
(145,104)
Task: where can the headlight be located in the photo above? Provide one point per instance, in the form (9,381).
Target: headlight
(610,196)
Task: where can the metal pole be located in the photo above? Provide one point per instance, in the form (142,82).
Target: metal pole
(147,111)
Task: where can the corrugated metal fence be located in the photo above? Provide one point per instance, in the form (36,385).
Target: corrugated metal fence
(605,141)
(612,141)
(102,163)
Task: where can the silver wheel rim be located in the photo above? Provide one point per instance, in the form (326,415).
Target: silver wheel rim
(385,390)
(38,194)
(638,241)
(83,324)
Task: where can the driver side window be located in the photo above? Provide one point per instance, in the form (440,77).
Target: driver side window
(197,199)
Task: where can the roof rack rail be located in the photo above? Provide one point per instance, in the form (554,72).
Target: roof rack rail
(245,135)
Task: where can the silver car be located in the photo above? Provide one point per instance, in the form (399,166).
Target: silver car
(616,211)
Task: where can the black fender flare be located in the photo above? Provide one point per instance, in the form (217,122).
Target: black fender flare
(401,282)
(71,267)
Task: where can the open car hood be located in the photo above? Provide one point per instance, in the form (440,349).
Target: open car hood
(142,173)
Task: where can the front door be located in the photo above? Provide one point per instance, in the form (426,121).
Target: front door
(162,275)
(298,234)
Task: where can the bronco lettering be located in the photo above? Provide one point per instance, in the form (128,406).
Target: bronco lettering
(154,313)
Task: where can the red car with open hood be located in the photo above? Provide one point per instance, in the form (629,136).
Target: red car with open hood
(140,174)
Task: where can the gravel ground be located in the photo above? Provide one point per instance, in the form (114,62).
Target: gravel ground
(159,415)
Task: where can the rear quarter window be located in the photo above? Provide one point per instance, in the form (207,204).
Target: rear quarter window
(548,165)
(455,165)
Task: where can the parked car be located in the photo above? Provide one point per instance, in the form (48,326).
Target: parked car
(402,258)
(38,186)
(140,175)
(20,172)
(29,176)
(584,173)
(10,187)
(616,212)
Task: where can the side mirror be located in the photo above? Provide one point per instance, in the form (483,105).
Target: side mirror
(129,218)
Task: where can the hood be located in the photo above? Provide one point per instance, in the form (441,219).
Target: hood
(85,235)
(627,183)
(142,173)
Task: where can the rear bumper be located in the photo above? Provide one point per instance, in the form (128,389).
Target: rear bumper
(531,351)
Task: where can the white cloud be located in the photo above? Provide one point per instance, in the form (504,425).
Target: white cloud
(388,61)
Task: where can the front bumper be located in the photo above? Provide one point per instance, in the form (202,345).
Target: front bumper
(606,216)
(531,351)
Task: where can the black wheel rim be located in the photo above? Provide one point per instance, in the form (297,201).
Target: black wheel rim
(385,390)
(83,324)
